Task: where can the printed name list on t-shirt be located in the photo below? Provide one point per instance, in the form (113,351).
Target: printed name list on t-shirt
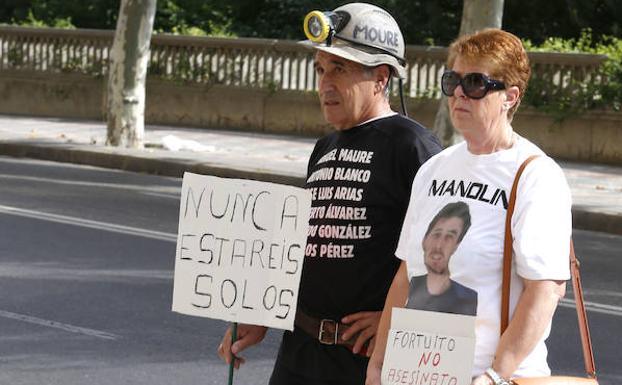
(429,348)
(340,202)
(240,250)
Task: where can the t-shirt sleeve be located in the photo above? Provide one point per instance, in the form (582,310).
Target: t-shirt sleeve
(542,222)
(406,241)
(428,146)
(313,158)
(414,152)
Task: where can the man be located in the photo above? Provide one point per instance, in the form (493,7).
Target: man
(360,178)
(436,291)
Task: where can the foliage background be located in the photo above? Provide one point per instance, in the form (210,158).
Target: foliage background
(422,21)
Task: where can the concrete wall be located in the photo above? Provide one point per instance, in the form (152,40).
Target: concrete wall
(287,112)
(593,136)
(39,94)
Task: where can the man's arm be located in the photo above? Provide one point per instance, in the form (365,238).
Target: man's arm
(248,335)
(533,314)
(398,293)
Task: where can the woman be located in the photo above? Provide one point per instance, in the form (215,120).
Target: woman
(488,75)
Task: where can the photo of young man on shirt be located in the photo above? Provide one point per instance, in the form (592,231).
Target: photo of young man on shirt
(436,291)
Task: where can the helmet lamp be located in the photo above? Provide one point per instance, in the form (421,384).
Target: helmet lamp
(317,26)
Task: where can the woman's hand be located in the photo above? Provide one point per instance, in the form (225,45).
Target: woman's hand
(482,379)
(374,371)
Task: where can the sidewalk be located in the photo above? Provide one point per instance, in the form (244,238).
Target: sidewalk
(596,189)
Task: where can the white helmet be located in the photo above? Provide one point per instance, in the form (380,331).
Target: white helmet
(359,32)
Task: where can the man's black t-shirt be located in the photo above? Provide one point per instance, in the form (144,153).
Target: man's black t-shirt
(360,181)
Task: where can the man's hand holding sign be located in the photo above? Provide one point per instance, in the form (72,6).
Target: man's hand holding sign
(248,335)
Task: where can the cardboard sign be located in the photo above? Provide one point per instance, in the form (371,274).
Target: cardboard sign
(429,348)
(240,250)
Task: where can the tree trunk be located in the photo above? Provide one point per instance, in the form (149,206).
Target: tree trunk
(476,15)
(129,57)
(480,14)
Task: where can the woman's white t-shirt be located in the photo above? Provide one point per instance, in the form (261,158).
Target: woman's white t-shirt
(541,227)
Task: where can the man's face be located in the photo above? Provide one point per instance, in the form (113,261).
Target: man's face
(440,243)
(346,90)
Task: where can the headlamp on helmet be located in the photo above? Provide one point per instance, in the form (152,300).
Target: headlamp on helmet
(321,26)
(370,29)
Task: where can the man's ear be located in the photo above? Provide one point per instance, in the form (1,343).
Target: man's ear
(383,74)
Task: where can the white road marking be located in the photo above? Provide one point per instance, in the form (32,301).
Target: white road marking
(161,195)
(58,325)
(159,235)
(132,187)
(604,293)
(594,307)
(44,271)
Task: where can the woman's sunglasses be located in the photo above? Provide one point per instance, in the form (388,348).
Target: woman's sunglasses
(474,85)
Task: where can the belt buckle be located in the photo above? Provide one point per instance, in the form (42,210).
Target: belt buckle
(322,332)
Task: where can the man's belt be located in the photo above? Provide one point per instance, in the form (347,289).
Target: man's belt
(327,331)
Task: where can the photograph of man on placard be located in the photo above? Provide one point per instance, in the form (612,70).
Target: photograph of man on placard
(436,291)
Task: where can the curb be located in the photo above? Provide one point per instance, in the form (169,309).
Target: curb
(173,167)
(582,218)
(594,221)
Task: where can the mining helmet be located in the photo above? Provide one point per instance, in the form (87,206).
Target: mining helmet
(359,32)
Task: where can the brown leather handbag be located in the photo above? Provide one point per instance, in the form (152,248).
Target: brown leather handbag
(586,341)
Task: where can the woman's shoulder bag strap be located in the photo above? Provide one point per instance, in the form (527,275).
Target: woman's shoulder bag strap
(586,342)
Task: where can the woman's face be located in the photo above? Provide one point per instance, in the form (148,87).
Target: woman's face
(475,118)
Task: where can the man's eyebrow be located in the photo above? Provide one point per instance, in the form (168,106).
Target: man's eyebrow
(334,62)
